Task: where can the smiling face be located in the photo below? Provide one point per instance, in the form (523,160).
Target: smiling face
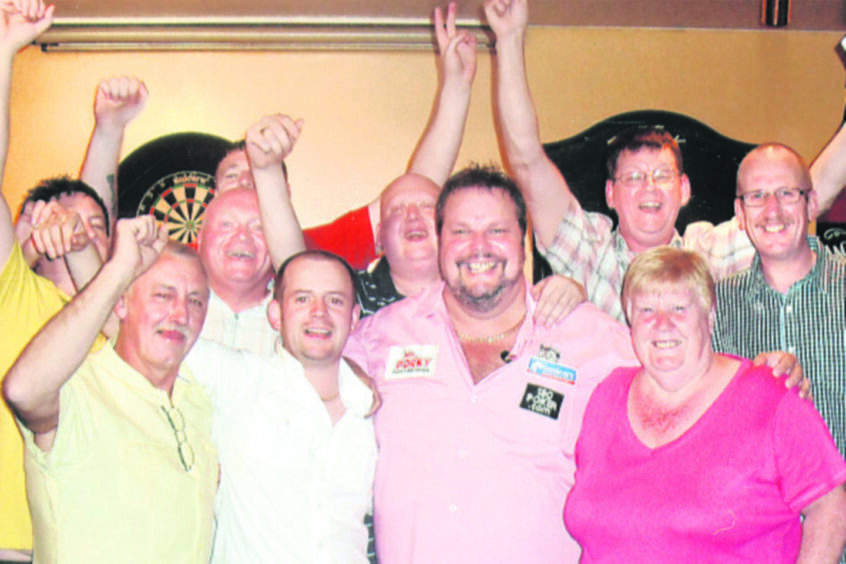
(161,316)
(407,224)
(671,332)
(481,248)
(315,310)
(647,212)
(777,230)
(231,241)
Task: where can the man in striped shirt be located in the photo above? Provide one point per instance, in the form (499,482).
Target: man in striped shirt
(793,296)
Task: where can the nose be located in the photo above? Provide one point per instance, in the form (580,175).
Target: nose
(663,320)
(479,240)
(771,204)
(412,211)
(318,308)
(179,311)
(245,179)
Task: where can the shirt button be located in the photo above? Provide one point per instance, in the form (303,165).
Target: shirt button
(452,508)
(788,309)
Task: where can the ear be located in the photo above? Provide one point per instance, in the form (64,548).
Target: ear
(813,205)
(356,314)
(739,214)
(685,189)
(609,193)
(274,314)
(378,239)
(120,307)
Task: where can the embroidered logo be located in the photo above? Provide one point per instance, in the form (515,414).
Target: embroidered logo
(413,361)
(548,353)
(548,369)
(542,401)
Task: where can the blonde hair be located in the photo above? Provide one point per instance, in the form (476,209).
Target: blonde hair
(663,267)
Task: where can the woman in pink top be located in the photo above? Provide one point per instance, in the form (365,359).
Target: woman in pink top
(698,456)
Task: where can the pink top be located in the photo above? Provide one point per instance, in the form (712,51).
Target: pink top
(479,473)
(730,489)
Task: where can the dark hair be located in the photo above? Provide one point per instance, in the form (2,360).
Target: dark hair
(641,137)
(241,145)
(485,177)
(317,254)
(51,189)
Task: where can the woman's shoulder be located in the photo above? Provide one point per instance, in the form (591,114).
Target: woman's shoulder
(756,385)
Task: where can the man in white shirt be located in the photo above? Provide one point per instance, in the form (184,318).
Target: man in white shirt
(296,444)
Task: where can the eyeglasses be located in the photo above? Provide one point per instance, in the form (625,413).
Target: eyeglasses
(758,198)
(636,178)
(183,447)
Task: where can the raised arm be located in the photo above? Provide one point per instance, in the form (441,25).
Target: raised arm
(33,384)
(117,101)
(268,143)
(828,171)
(547,195)
(438,147)
(21,21)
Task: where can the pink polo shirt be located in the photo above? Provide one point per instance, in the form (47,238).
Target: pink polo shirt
(479,473)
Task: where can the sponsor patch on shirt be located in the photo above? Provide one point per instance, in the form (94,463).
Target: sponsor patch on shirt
(542,401)
(543,367)
(411,361)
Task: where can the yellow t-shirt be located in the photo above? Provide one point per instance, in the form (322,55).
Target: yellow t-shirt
(27,302)
(113,487)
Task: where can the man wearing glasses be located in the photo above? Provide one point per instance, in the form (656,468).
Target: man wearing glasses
(792,297)
(646,186)
(119,460)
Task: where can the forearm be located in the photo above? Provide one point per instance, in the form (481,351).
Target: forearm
(33,383)
(281,228)
(7,230)
(438,148)
(99,169)
(824,529)
(546,192)
(83,265)
(515,108)
(828,171)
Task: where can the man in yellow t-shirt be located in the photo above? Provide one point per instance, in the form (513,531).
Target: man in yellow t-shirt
(119,461)
(71,221)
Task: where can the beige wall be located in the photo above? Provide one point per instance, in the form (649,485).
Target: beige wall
(364,111)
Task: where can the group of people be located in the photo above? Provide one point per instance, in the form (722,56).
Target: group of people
(228,404)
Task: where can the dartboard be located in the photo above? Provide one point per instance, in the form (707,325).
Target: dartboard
(171,178)
(178,200)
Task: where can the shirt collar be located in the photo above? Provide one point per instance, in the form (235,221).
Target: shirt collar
(355,395)
(817,276)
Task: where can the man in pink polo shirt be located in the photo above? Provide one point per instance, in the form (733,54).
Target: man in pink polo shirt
(481,407)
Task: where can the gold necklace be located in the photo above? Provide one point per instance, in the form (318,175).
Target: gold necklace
(491,338)
(330,398)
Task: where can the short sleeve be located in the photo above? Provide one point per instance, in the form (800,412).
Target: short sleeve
(808,463)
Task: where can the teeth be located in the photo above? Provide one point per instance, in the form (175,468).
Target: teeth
(477,267)
(416,235)
(322,332)
(650,205)
(667,344)
(240,254)
(774,228)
